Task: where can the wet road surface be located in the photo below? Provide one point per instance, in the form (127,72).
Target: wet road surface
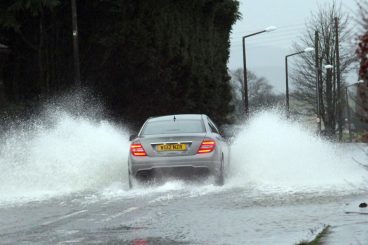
(191,215)
(284,185)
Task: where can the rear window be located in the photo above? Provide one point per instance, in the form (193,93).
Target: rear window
(173,127)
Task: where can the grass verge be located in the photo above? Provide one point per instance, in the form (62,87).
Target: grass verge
(318,239)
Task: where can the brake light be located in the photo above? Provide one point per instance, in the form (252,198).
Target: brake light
(137,150)
(207,146)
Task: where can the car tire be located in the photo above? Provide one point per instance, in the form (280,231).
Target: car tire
(219,178)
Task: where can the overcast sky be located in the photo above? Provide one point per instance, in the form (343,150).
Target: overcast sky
(266,52)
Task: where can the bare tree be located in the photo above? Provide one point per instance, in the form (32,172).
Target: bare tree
(362,54)
(304,70)
(261,93)
(362,40)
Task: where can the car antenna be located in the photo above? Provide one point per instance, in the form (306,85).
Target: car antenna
(174,118)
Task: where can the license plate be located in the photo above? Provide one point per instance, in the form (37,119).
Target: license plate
(172,147)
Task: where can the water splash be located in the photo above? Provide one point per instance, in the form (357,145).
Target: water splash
(274,154)
(66,152)
(64,155)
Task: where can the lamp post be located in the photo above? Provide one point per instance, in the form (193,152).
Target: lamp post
(77,79)
(329,110)
(348,109)
(246,102)
(306,50)
(328,67)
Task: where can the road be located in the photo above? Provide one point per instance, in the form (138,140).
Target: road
(67,183)
(181,213)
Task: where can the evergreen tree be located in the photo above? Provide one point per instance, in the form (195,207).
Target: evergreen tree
(143,57)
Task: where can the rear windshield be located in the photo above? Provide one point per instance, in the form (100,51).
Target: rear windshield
(173,127)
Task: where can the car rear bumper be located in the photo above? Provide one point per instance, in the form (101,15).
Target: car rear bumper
(197,163)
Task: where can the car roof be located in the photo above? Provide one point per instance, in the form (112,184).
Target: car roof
(179,116)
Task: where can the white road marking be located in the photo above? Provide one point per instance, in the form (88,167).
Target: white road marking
(120,214)
(162,198)
(79,241)
(65,217)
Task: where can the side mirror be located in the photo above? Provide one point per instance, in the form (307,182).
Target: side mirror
(132,137)
(227,132)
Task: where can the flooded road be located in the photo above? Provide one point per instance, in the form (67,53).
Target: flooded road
(65,182)
(182,214)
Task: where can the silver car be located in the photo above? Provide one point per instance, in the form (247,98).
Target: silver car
(178,143)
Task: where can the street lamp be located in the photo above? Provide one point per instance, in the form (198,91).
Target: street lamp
(328,67)
(306,50)
(77,79)
(347,107)
(246,104)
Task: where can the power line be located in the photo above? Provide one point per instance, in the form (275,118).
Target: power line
(278,28)
(278,31)
(270,37)
(349,8)
(284,37)
(274,34)
(269,41)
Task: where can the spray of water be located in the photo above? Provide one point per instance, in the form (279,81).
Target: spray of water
(274,154)
(65,152)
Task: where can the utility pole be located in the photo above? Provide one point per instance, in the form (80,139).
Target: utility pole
(338,78)
(287,87)
(245,82)
(334,88)
(349,115)
(77,79)
(316,48)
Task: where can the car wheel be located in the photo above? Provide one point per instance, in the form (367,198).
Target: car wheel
(219,178)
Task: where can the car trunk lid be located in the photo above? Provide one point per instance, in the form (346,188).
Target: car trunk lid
(172,145)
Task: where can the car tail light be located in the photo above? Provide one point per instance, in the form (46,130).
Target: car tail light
(137,150)
(207,146)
